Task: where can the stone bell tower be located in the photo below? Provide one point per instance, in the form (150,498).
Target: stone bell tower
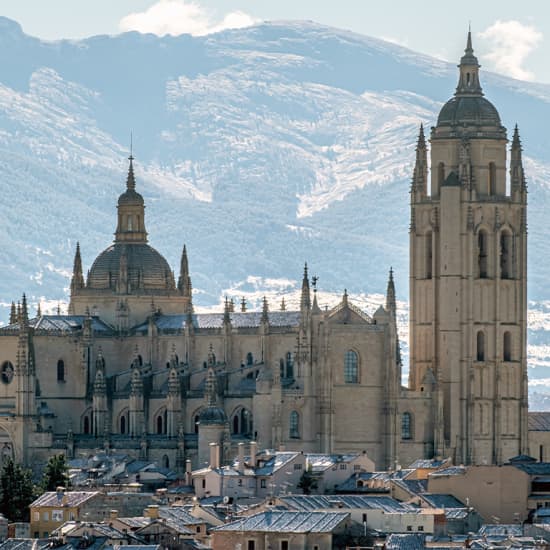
(468,278)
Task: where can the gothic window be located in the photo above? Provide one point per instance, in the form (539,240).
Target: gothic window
(406,426)
(87,422)
(123,422)
(480,346)
(507,347)
(61,371)
(351,371)
(482,254)
(282,368)
(294,425)
(165,461)
(242,422)
(161,421)
(492,178)
(249,358)
(196,424)
(505,255)
(289,365)
(429,254)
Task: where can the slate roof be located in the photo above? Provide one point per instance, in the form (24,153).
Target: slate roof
(63,323)
(534,468)
(31,544)
(68,498)
(432,463)
(275,463)
(247,319)
(539,421)
(500,530)
(321,462)
(177,513)
(287,522)
(451,471)
(350,484)
(406,541)
(413,486)
(327,502)
(442,500)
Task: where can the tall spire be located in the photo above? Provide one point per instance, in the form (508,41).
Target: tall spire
(390,295)
(13,314)
(517,176)
(305,302)
(420,174)
(130,179)
(24,311)
(77,281)
(265,311)
(468,83)
(184,281)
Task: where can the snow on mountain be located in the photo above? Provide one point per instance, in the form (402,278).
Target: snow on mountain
(259,148)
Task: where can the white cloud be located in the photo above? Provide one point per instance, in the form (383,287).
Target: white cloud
(181,17)
(511,42)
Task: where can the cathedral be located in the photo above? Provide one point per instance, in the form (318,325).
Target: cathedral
(133,369)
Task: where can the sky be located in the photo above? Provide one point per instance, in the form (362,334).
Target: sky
(510,37)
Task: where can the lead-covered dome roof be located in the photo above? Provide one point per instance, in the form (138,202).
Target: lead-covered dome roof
(146,268)
(469,110)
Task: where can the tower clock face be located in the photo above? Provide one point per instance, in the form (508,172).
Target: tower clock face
(6,372)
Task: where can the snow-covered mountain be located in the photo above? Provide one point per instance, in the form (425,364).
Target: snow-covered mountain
(260,148)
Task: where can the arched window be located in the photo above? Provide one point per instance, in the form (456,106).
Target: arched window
(406,426)
(482,254)
(242,422)
(87,422)
(161,421)
(351,375)
(480,346)
(122,424)
(294,425)
(507,347)
(492,178)
(289,365)
(61,371)
(196,421)
(165,461)
(505,255)
(429,255)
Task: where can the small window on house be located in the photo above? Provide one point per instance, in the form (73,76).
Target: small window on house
(61,371)
(364,518)
(284,545)
(351,374)
(204,483)
(356,467)
(198,528)
(297,466)
(507,347)
(294,425)
(251,545)
(409,527)
(262,484)
(480,355)
(421,528)
(343,466)
(406,427)
(240,483)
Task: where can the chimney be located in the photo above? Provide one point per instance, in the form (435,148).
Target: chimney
(282,448)
(253,451)
(113,514)
(214,456)
(152,511)
(241,457)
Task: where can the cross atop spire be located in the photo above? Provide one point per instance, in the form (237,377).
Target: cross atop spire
(131,180)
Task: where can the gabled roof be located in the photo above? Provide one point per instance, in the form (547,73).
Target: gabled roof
(67,498)
(407,541)
(63,323)
(276,462)
(441,500)
(31,544)
(287,522)
(329,502)
(429,464)
(321,462)
(539,421)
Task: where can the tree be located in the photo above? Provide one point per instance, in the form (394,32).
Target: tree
(55,473)
(17,491)
(307,481)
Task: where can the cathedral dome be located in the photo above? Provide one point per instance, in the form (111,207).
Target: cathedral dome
(469,110)
(212,416)
(146,268)
(130,197)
